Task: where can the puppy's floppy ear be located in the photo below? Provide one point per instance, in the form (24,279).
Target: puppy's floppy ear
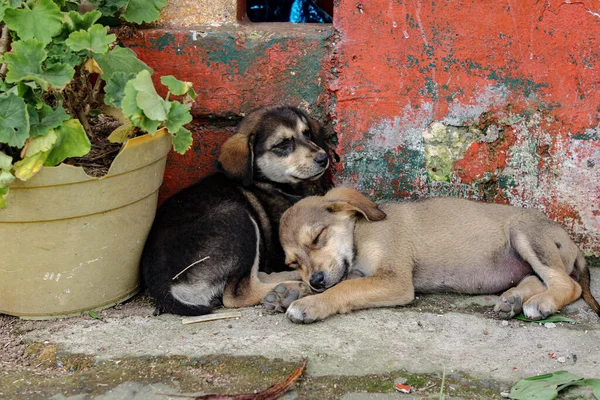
(237,158)
(348,199)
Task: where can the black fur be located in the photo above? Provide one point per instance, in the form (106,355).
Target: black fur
(212,219)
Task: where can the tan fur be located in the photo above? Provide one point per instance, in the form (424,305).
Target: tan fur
(235,154)
(435,245)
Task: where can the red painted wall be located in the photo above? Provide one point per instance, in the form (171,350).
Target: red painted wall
(522,75)
(491,100)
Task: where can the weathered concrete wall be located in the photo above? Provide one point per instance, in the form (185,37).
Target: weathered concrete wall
(489,100)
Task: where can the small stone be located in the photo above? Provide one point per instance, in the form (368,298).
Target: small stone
(561,359)
(506,394)
(400,381)
(550,325)
(539,346)
(230,326)
(504,323)
(485,332)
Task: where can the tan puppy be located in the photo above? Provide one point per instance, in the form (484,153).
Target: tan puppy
(433,245)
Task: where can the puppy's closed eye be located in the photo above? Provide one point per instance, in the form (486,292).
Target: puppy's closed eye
(319,239)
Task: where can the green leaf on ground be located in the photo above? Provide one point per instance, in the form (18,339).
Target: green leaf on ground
(139,11)
(14,120)
(543,387)
(115,88)
(43,120)
(546,387)
(71,141)
(29,166)
(182,141)
(95,315)
(593,383)
(96,39)
(552,318)
(122,60)
(154,106)
(178,116)
(25,63)
(42,21)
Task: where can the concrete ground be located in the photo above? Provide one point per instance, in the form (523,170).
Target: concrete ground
(131,355)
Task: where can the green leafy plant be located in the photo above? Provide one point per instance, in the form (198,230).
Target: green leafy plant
(547,386)
(60,69)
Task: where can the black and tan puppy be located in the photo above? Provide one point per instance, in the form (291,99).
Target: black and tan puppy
(213,242)
(436,245)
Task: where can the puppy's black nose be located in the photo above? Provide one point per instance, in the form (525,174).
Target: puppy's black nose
(317,280)
(321,159)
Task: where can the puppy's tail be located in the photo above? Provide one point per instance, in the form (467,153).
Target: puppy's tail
(583,273)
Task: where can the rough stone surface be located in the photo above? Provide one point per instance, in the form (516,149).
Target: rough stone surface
(438,333)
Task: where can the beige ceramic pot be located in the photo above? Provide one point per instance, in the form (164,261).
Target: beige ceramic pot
(70,243)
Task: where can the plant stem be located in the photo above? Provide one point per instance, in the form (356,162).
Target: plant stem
(4,39)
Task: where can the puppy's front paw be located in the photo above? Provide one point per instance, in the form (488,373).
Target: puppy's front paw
(282,295)
(539,306)
(508,306)
(308,310)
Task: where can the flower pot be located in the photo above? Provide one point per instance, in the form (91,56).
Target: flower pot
(70,243)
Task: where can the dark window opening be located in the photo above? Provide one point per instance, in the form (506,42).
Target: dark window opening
(295,11)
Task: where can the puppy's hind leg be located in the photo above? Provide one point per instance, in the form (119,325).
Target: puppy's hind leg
(511,301)
(542,251)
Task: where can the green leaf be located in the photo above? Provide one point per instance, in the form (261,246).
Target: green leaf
(154,106)
(541,387)
(71,141)
(42,21)
(135,114)
(115,88)
(78,22)
(120,59)
(29,166)
(59,53)
(41,144)
(593,383)
(121,134)
(182,141)
(14,121)
(5,161)
(95,315)
(96,39)
(43,120)
(109,7)
(552,318)
(25,63)
(6,178)
(139,11)
(178,116)
(177,87)
(3,195)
